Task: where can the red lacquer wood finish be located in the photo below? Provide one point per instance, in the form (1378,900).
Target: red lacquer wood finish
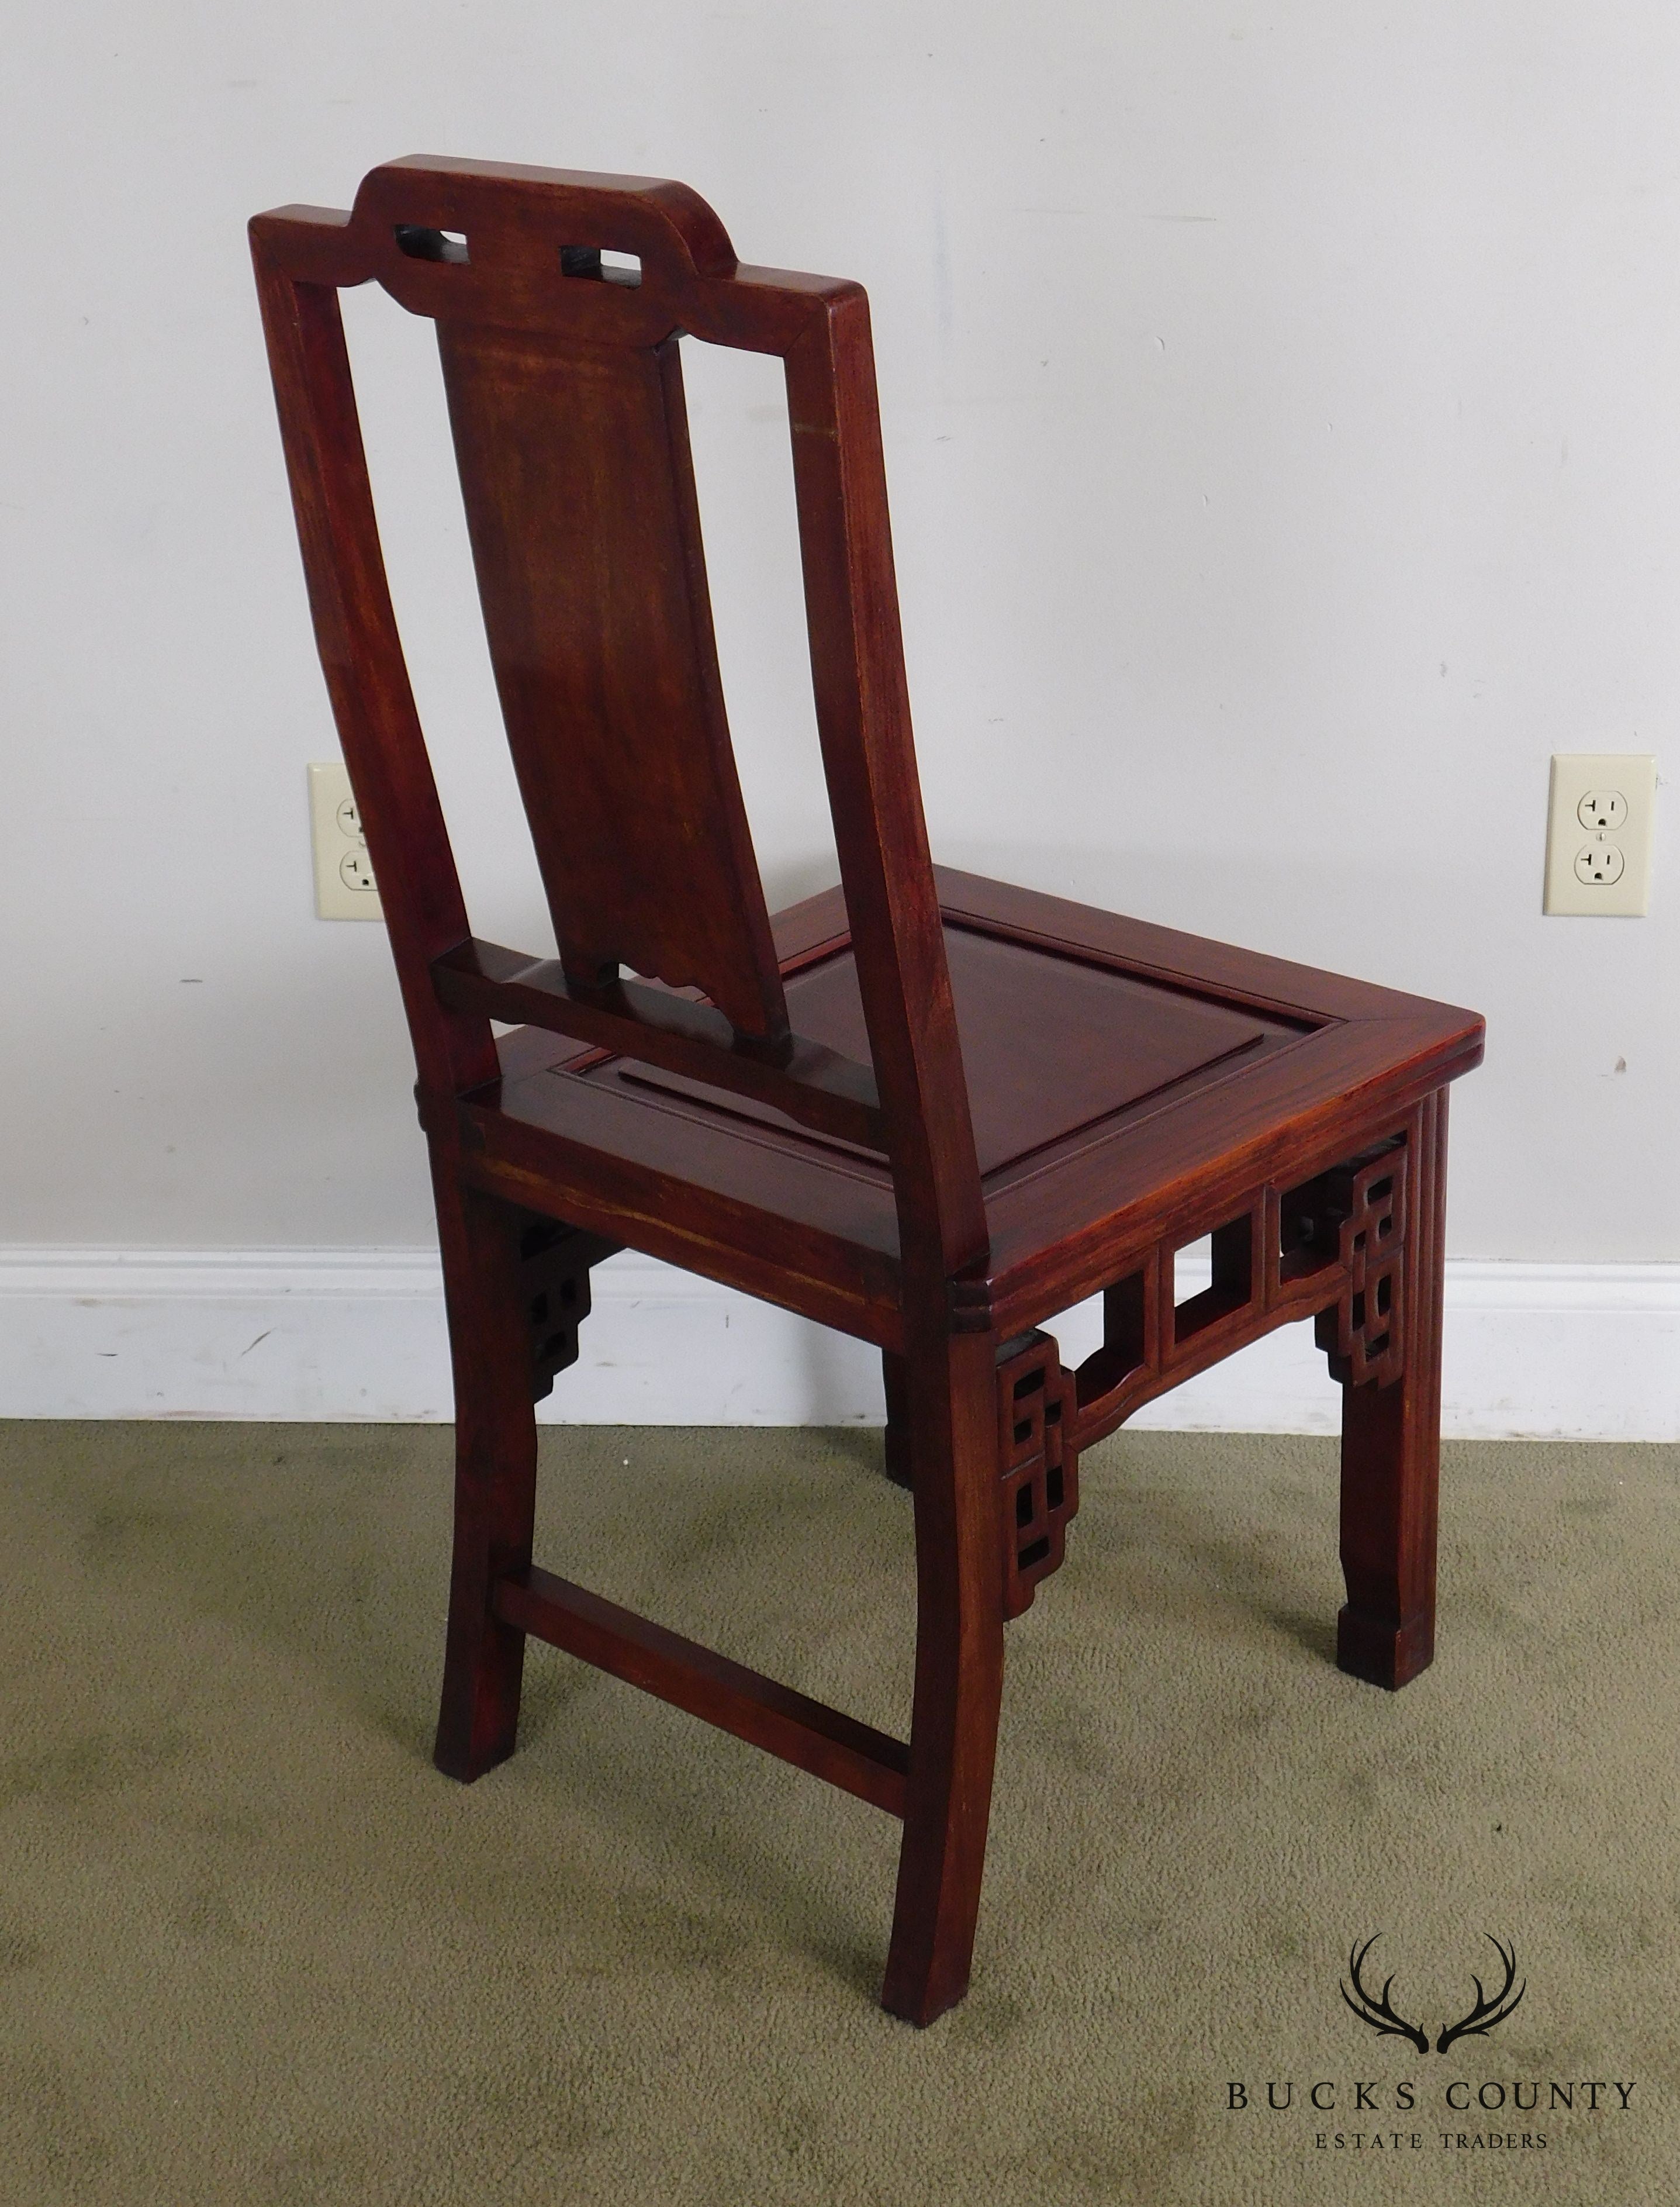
(927,1109)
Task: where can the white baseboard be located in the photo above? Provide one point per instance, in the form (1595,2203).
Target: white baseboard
(1587,1352)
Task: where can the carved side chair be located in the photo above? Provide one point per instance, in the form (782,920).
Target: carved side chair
(929,1109)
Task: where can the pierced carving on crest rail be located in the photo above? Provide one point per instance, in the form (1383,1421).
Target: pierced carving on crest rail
(1038,1463)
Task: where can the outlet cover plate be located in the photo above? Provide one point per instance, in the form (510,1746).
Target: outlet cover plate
(1577,777)
(345,886)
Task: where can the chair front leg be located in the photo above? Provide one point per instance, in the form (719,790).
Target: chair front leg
(1391,1450)
(495,1472)
(950,1390)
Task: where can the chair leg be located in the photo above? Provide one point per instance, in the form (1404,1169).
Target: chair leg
(1391,1452)
(951,1400)
(495,1475)
(896,1437)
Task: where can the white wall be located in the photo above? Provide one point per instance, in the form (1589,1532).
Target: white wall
(1283,413)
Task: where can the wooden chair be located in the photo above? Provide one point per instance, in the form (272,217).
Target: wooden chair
(926,1109)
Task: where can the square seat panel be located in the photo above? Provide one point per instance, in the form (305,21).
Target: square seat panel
(1109,1060)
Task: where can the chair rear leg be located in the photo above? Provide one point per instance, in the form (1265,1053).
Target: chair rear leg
(950,1390)
(896,1436)
(1391,1453)
(495,1474)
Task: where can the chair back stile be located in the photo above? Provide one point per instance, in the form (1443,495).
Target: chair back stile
(563,376)
(362,653)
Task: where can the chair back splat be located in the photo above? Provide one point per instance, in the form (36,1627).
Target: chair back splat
(560,300)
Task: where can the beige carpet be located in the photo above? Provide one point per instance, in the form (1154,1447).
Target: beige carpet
(253,1949)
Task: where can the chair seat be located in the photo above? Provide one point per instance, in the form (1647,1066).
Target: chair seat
(1119,1074)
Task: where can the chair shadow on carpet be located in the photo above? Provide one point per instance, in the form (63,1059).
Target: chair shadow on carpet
(331,1547)
(661,1783)
(312,1542)
(1196,1569)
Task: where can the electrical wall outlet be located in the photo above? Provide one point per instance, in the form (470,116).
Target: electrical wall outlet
(1598,838)
(344,884)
